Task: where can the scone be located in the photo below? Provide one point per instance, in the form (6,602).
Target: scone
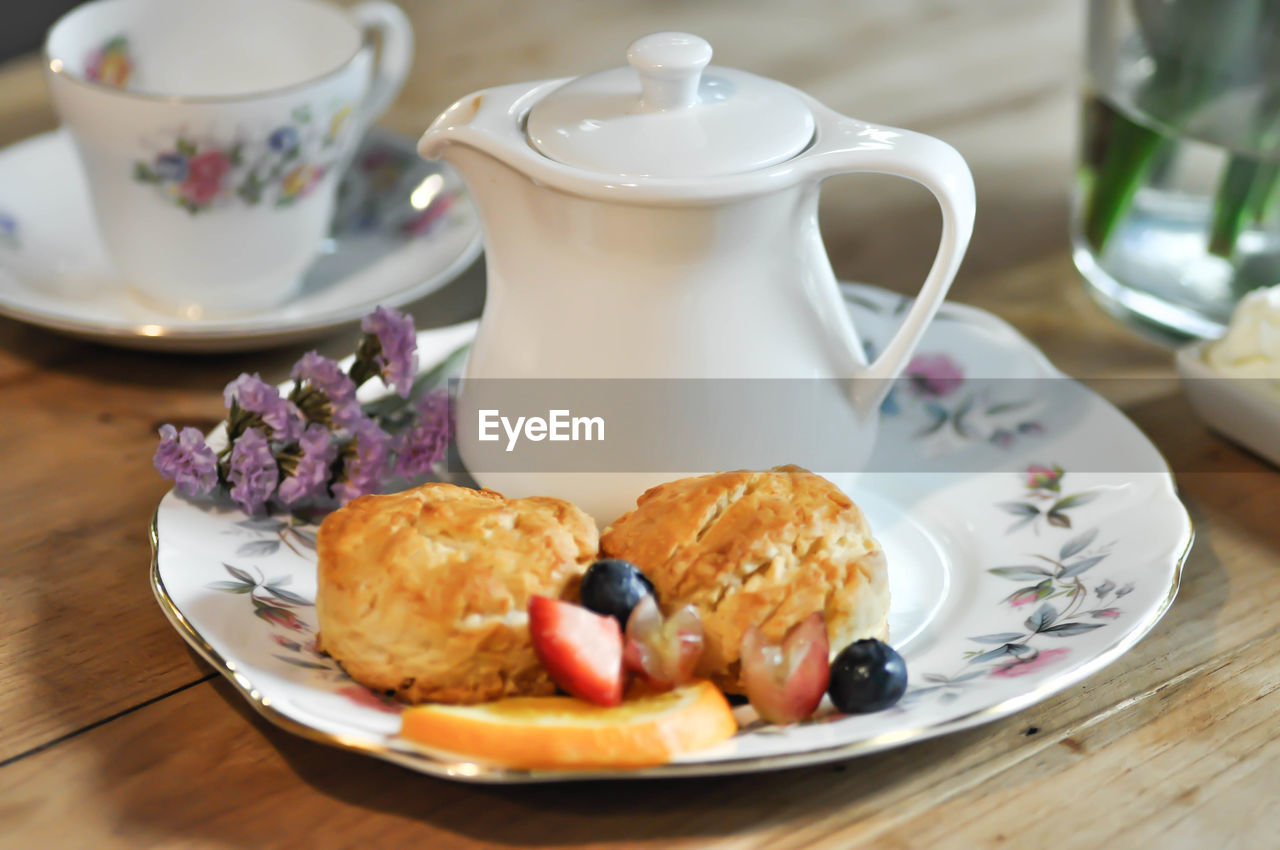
(768,548)
(423,594)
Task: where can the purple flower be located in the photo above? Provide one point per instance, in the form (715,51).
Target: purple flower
(397,347)
(283,139)
(364,462)
(251,394)
(311,471)
(336,390)
(171,166)
(933,375)
(253,472)
(291,645)
(185,459)
(423,445)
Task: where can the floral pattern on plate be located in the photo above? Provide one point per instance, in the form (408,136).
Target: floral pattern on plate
(1048,577)
(1044,484)
(934,388)
(279,608)
(989,619)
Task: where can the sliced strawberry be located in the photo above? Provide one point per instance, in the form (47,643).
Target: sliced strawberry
(664,652)
(580,649)
(785,682)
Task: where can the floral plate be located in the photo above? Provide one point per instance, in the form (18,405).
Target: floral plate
(1032,531)
(402,228)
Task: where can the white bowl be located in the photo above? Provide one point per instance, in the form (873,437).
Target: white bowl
(1239,409)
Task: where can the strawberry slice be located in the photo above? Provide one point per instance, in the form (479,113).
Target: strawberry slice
(785,682)
(663,651)
(580,649)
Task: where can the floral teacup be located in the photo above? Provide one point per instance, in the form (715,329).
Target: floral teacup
(212,135)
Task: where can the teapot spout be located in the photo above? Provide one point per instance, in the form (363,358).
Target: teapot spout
(490,120)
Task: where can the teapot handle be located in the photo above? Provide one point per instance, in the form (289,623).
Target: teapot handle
(847,146)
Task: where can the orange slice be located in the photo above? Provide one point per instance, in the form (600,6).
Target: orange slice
(560,732)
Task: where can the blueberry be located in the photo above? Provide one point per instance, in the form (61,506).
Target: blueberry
(613,587)
(868,675)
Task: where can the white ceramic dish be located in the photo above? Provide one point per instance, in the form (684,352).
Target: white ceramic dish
(1239,409)
(1008,584)
(384,250)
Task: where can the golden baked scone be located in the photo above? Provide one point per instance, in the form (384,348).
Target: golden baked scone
(767,548)
(423,594)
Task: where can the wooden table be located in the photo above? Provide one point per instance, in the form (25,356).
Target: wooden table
(114,734)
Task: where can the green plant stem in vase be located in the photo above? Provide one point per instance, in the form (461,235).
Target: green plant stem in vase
(1200,52)
(1130,150)
(1246,191)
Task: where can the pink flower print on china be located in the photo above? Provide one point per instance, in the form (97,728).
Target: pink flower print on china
(278,616)
(1043,477)
(110,64)
(291,645)
(361,695)
(933,375)
(1105,613)
(204,176)
(1024,597)
(1044,658)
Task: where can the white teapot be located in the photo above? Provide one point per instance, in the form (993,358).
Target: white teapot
(659,222)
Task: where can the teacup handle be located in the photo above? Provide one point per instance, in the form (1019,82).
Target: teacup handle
(844,146)
(394,59)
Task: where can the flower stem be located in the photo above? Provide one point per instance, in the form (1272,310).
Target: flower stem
(1238,189)
(1248,183)
(1130,151)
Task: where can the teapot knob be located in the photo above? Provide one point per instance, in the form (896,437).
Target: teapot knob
(670,65)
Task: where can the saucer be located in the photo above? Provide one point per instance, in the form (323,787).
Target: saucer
(403,227)
(1021,562)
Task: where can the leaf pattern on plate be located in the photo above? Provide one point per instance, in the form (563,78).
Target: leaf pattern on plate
(955,416)
(1055,577)
(1044,484)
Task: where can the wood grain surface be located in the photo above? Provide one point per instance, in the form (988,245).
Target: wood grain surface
(112,734)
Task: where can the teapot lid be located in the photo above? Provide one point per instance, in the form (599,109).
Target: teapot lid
(669,115)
